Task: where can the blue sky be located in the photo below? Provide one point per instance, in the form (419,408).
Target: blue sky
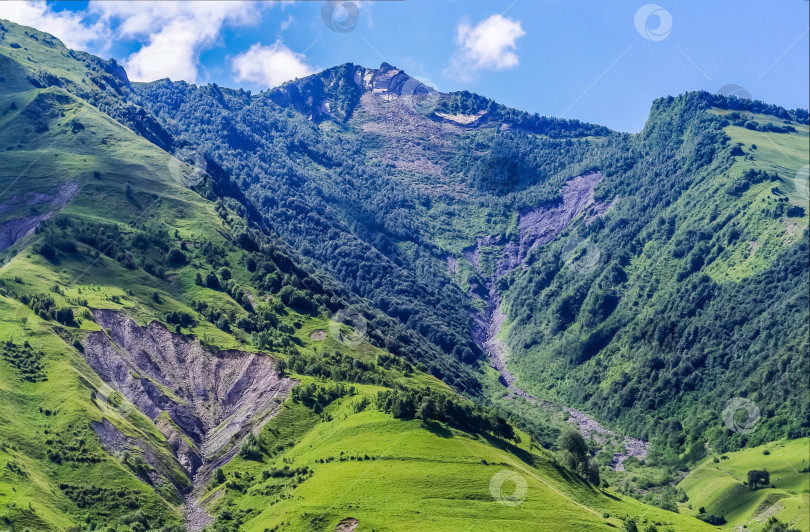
(602,62)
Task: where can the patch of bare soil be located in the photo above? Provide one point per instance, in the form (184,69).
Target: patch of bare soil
(318,335)
(462,119)
(13,230)
(413,141)
(347,525)
(452,264)
(116,443)
(205,404)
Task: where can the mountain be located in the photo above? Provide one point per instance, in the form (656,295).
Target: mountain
(177,264)
(473,208)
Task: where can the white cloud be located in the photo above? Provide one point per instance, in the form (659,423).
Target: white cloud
(270,66)
(67,26)
(489,45)
(176,33)
(287,23)
(171,53)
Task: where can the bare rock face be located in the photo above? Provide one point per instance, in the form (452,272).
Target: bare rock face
(13,230)
(200,401)
(389,81)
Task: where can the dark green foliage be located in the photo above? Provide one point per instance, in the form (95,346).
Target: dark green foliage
(176,256)
(750,177)
(576,456)
(251,449)
(65,316)
(286,472)
(468,103)
(573,442)
(212,281)
(317,397)
(265,150)
(339,367)
(25,360)
(757,478)
(688,341)
(115,506)
(183,319)
(73,446)
(774,525)
(430,405)
(716,520)
(42,304)
(47,251)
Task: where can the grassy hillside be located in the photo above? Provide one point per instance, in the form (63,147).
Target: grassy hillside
(718,485)
(395,475)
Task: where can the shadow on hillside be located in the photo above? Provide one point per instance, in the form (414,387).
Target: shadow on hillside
(572,477)
(510,448)
(438,429)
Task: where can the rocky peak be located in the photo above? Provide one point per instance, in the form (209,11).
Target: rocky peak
(390,81)
(334,92)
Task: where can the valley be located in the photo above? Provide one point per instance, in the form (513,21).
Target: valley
(353,302)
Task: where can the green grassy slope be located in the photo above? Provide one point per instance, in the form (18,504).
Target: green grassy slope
(114,213)
(395,475)
(718,486)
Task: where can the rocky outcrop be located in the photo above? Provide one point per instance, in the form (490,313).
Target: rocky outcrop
(13,230)
(205,404)
(389,81)
(213,400)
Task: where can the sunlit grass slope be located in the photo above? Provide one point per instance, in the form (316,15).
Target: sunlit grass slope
(718,486)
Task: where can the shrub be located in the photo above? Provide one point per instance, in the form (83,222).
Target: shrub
(47,251)
(175,256)
(716,520)
(212,281)
(65,316)
(251,449)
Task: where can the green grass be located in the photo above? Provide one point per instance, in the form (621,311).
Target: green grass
(718,486)
(428,477)
(59,410)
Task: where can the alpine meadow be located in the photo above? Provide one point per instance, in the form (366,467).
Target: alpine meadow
(349,301)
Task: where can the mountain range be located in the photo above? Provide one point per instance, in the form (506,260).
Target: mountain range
(355,302)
